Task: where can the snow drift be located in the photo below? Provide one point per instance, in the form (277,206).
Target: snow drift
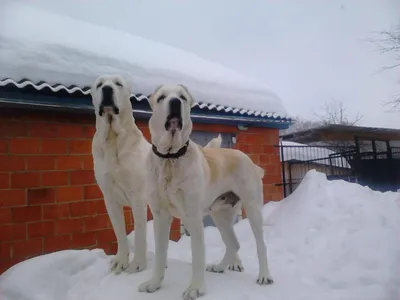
(328,240)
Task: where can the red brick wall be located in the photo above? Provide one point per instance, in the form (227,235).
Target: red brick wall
(49,200)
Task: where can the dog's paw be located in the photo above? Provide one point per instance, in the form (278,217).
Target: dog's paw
(136,266)
(215,268)
(265,280)
(119,263)
(193,292)
(150,286)
(237,266)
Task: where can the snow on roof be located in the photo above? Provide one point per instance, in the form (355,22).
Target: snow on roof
(319,155)
(43,46)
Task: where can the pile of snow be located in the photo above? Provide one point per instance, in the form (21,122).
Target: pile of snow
(329,240)
(318,155)
(40,45)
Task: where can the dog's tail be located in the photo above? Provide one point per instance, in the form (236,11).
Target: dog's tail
(260,171)
(215,142)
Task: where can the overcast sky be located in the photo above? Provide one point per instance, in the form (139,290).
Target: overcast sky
(306,51)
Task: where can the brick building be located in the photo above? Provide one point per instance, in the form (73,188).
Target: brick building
(49,200)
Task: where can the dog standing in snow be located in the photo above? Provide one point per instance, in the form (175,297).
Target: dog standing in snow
(187,181)
(119,154)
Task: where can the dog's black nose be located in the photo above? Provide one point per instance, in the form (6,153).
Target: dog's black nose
(175,107)
(107,90)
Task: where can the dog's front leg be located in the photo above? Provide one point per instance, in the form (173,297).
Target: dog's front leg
(139,210)
(193,221)
(121,259)
(162,222)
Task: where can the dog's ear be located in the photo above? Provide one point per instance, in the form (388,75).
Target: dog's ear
(151,97)
(189,94)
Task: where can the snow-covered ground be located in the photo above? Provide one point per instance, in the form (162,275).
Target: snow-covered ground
(44,46)
(328,240)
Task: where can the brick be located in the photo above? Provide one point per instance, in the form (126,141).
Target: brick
(89,131)
(176,224)
(82,177)
(69,226)
(54,146)
(41,196)
(56,243)
(92,192)
(100,207)
(55,212)
(6,264)
(128,216)
(6,252)
(12,197)
(12,232)
(87,161)
(68,130)
(106,236)
(11,163)
(97,223)
(27,214)
(80,209)
(3,146)
(4,180)
(41,229)
(80,147)
(109,248)
(69,193)
(25,180)
(56,178)
(72,162)
(86,239)
(24,146)
(43,130)
(175,235)
(5,215)
(129,228)
(29,248)
(265,159)
(255,158)
(14,129)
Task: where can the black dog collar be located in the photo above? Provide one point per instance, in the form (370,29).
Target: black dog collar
(181,152)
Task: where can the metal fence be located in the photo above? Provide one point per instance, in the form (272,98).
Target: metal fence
(297,160)
(380,170)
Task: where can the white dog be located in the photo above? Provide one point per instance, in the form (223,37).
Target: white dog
(187,181)
(119,153)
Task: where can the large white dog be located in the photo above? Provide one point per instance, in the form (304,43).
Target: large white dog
(119,153)
(187,181)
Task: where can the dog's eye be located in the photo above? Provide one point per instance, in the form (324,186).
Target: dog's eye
(99,85)
(183,98)
(162,97)
(118,83)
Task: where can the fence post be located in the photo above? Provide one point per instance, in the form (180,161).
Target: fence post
(283,169)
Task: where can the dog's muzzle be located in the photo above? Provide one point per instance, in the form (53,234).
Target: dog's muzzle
(107,104)
(174,118)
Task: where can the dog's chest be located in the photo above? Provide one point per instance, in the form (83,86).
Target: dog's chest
(169,183)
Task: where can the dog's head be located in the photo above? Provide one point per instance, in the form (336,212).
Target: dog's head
(171,105)
(110,94)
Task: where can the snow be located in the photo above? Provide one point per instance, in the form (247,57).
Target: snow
(328,240)
(319,155)
(40,45)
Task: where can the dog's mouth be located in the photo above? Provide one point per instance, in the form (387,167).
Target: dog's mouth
(173,124)
(108,110)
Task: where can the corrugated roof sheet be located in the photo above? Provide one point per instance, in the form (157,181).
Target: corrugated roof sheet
(72,89)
